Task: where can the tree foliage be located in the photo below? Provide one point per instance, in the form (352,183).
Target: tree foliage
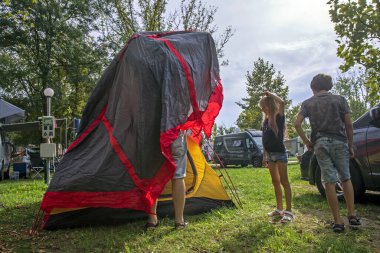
(131,16)
(291,116)
(222,129)
(352,87)
(263,77)
(48,44)
(66,44)
(357,24)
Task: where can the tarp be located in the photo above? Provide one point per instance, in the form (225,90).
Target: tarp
(159,84)
(10,113)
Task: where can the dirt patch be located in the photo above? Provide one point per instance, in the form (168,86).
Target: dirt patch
(3,249)
(368,209)
(373,225)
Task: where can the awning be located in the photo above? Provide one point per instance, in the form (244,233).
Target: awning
(10,113)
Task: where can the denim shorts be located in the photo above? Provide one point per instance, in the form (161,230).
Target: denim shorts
(333,159)
(273,157)
(179,154)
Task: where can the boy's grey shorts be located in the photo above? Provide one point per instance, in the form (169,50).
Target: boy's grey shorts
(179,153)
(333,159)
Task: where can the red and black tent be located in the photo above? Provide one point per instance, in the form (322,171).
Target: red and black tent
(121,159)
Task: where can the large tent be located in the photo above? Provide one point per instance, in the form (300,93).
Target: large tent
(121,161)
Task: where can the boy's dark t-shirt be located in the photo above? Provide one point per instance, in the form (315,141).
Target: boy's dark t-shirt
(326,114)
(271,142)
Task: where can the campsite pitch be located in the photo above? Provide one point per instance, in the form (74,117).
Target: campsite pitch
(222,230)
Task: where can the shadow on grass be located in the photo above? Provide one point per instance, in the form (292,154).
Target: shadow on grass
(249,240)
(314,199)
(309,200)
(16,223)
(267,237)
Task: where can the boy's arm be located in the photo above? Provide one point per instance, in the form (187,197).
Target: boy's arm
(349,132)
(281,103)
(301,133)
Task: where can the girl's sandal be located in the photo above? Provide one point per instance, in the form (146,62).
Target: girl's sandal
(276,213)
(288,217)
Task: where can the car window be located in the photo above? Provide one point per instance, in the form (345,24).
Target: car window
(363,121)
(259,141)
(249,143)
(237,143)
(218,143)
(234,143)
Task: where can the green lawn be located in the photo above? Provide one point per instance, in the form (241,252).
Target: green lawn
(223,230)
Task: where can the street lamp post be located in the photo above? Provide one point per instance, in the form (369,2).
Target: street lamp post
(48,92)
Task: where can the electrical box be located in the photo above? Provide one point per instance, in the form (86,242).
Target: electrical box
(47,150)
(48,126)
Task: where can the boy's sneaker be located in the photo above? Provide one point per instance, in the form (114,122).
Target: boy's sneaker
(276,213)
(354,222)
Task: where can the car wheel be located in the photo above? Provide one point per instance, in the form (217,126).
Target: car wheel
(223,164)
(357,182)
(321,186)
(356,179)
(244,164)
(257,162)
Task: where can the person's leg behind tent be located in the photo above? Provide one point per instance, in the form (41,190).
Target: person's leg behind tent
(152,221)
(179,151)
(179,199)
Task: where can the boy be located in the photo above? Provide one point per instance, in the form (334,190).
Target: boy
(331,141)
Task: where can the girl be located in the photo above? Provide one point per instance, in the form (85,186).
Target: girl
(274,155)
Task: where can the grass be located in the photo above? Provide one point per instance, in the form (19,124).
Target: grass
(223,230)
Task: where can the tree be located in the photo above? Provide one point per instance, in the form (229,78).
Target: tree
(214,132)
(66,44)
(49,45)
(351,87)
(222,130)
(357,24)
(120,19)
(291,116)
(262,78)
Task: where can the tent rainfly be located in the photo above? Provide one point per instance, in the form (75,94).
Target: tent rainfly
(121,162)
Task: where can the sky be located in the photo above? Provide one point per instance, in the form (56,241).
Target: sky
(296,36)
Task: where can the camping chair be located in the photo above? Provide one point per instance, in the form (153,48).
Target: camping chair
(37,165)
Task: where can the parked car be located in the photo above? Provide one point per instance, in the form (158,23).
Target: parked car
(239,148)
(364,167)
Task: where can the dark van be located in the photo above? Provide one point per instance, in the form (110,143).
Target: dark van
(239,148)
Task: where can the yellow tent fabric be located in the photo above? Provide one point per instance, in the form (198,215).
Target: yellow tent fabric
(203,182)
